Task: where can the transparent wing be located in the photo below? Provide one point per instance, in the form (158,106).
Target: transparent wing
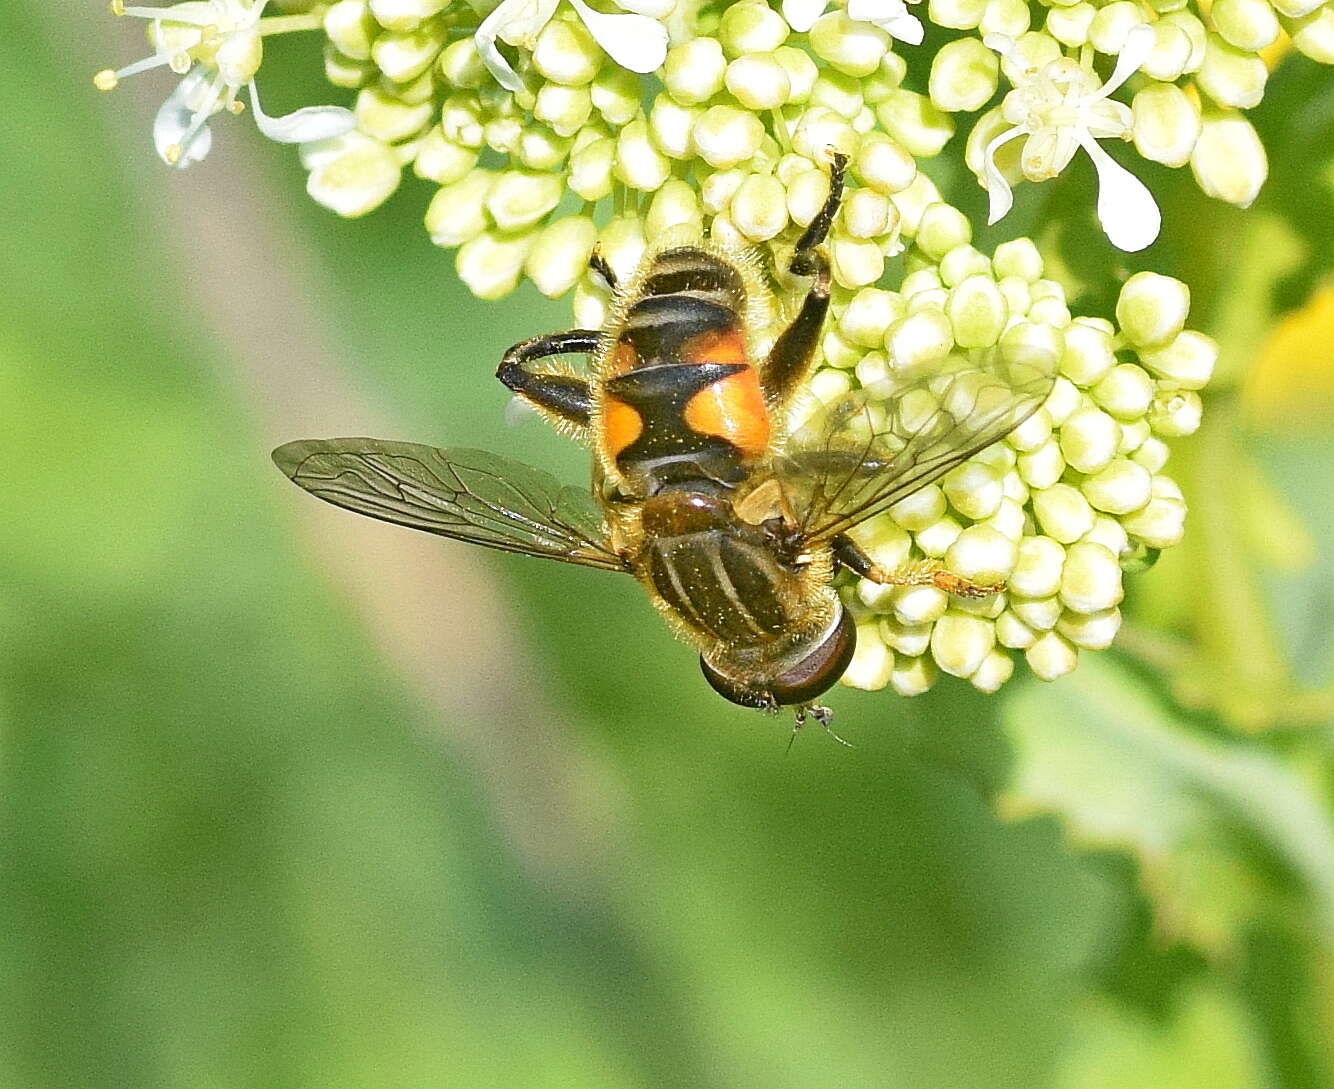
(468,495)
(873,447)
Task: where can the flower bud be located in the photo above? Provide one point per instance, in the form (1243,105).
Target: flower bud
(1175,413)
(935,539)
(405,15)
(638,162)
(1229,161)
(913,676)
(1039,614)
(996,668)
(559,255)
(457,212)
(758,82)
(915,122)
(872,662)
(868,214)
(1090,578)
(1087,355)
(1161,523)
(590,173)
(491,264)
(1125,392)
(522,198)
(694,70)
(1152,309)
(565,109)
(977,312)
(960,643)
(856,263)
(387,119)
(942,228)
(1313,34)
(1187,362)
(622,243)
(1032,433)
(910,639)
(1051,656)
(1120,488)
(925,507)
(956,14)
(974,490)
(835,91)
(1062,512)
(759,207)
(1037,569)
(751,27)
(1013,633)
(726,136)
(963,75)
(1011,18)
(615,94)
(404,55)
(1231,77)
(442,161)
(920,339)
(850,46)
(1090,631)
(674,205)
(883,164)
(566,53)
(914,605)
(352,174)
(1041,467)
(1171,54)
(801,70)
(982,555)
(1249,25)
(868,316)
(1089,439)
(348,24)
(1166,123)
(913,201)
(461,64)
(1070,25)
(1112,23)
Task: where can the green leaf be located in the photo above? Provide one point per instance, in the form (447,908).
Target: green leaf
(1223,832)
(1209,1042)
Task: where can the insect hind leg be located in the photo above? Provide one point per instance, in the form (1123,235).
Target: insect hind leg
(919,573)
(562,398)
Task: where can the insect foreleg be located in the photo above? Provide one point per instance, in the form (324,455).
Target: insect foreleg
(920,573)
(793,352)
(562,398)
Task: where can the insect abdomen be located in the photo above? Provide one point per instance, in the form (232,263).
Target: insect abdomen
(681,399)
(711,573)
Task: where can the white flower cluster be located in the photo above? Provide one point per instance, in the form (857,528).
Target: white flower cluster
(551,127)
(1056,512)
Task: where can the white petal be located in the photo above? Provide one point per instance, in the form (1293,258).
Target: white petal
(172,136)
(305,125)
(801,14)
(998,189)
(654,9)
(905,27)
(635,42)
(1138,45)
(485,40)
(1000,43)
(1126,208)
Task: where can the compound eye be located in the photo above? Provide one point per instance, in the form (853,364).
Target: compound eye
(821,668)
(810,677)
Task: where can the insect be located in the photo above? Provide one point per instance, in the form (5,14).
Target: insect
(735,527)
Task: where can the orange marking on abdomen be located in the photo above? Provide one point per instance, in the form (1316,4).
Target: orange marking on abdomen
(621,425)
(732,408)
(715,346)
(623,358)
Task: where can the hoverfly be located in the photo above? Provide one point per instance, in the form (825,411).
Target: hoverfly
(734,527)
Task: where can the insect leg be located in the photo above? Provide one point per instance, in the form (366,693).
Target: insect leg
(602,267)
(791,356)
(920,573)
(561,397)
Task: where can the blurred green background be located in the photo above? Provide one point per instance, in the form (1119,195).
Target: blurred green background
(294,799)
